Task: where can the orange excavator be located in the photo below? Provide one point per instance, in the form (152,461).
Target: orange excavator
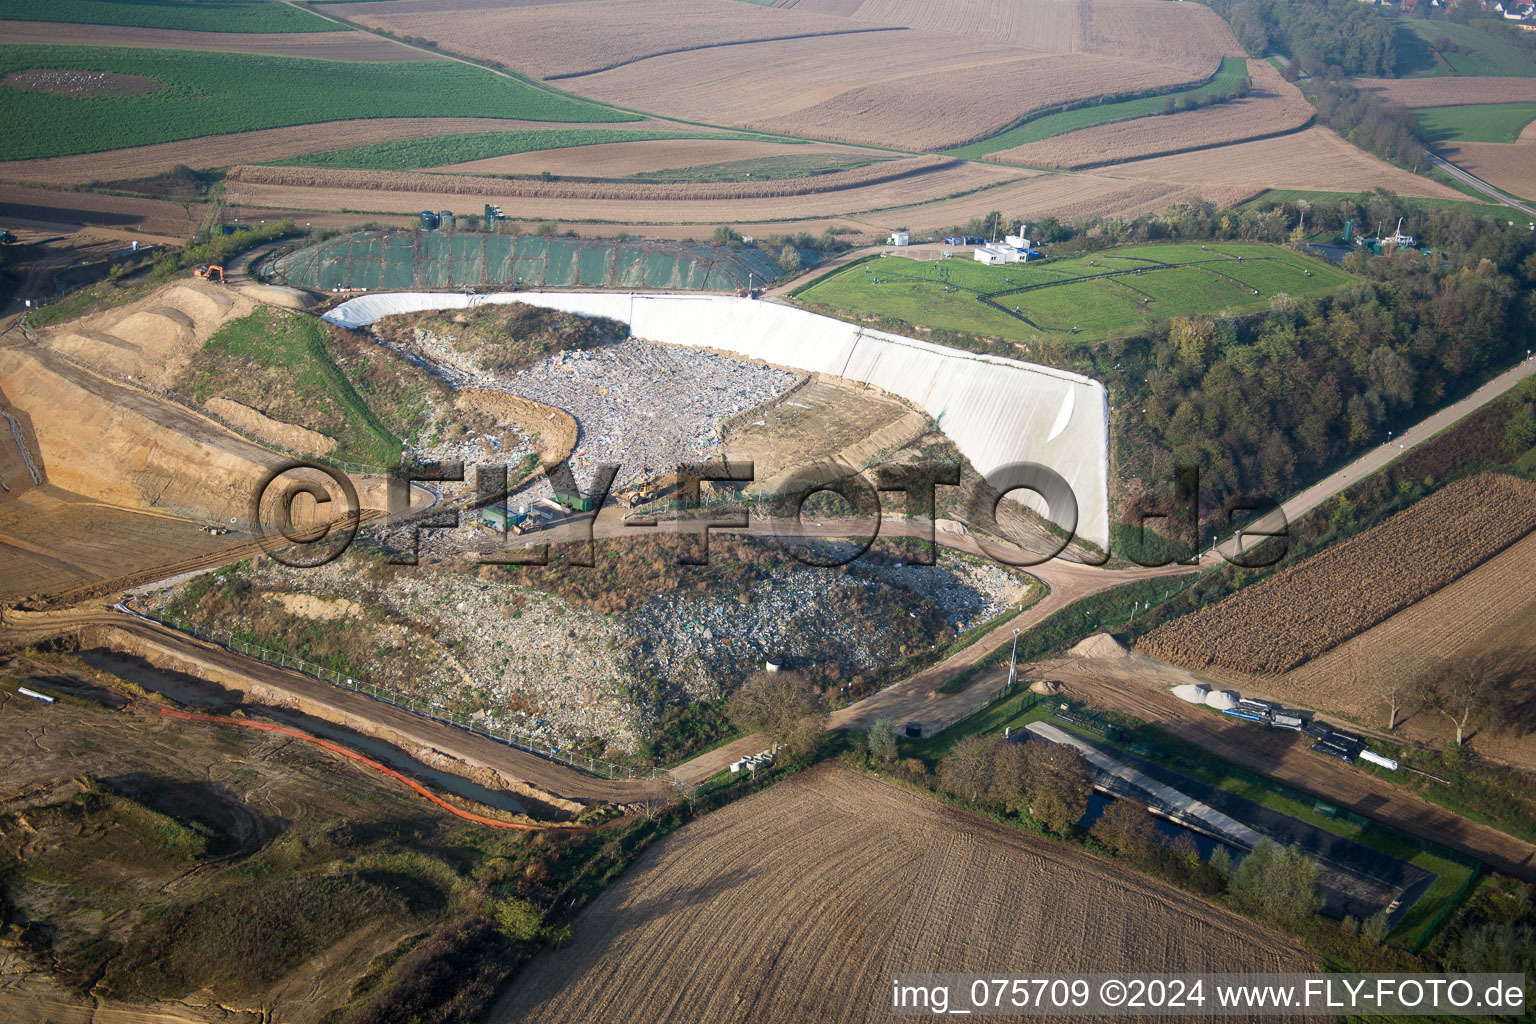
(210,272)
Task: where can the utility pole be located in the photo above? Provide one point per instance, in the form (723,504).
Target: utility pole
(1013,661)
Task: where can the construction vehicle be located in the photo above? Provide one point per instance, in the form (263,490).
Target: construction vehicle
(210,271)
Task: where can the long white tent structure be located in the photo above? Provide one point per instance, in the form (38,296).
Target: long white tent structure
(999,412)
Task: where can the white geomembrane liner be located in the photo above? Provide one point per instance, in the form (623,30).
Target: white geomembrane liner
(997,411)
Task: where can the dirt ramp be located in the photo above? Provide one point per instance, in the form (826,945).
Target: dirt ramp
(555,428)
(21,467)
(129,448)
(152,339)
(285,435)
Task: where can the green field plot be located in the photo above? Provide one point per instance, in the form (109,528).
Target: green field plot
(1035,129)
(1483,122)
(192,93)
(1093,295)
(201,16)
(1431,48)
(276,360)
(439,150)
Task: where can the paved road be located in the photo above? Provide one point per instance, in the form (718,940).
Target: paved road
(1482,186)
(1376,459)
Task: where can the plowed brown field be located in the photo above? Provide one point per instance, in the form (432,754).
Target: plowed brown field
(954,106)
(1274,106)
(1315,159)
(1510,166)
(147,219)
(800,903)
(915,82)
(547,40)
(320,45)
(1151,30)
(271,144)
(1312,607)
(1451,92)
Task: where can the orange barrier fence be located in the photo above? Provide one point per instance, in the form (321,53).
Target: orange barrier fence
(376,766)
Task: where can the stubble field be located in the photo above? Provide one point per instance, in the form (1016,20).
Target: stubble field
(1450,92)
(1312,607)
(1315,159)
(1507,165)
(1274,106)
(801,902)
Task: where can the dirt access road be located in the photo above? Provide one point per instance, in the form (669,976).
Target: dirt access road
(1374,461)
(531,778)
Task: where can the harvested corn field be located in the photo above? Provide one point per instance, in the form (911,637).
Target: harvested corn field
(1490,608)
(1067,196)
(412,181)
(1274,106)
(1315,159)
(1450,92)
(945,180)
(621,159)
(1310,608)
(801,902)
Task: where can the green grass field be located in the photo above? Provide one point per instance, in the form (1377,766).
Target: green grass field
(1483,122)
(1094,295)
(201,16)
(411,154)
(1035,129)
(275,360)
(218,93)
(1471,51)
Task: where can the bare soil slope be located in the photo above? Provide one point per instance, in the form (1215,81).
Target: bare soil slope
(152,339)
(129,448)
(800,903)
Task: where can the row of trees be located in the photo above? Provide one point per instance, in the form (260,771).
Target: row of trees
(1051,783)
(1315,34)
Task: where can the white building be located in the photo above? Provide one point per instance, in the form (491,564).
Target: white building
(900,238)
(1018,242)
(995,253)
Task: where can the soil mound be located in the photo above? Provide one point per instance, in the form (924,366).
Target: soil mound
(1100,645)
